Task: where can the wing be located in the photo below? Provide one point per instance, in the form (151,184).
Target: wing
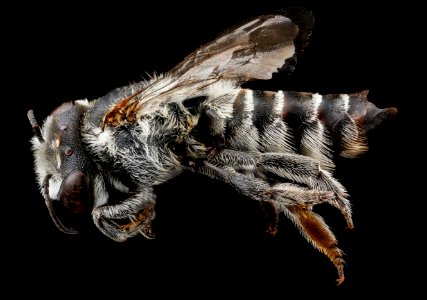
(253,50)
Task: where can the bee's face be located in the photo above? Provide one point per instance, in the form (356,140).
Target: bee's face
(62,166)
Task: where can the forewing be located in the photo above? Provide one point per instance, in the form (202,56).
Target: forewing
(253,50)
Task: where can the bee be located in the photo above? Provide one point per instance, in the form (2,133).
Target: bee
(102,158)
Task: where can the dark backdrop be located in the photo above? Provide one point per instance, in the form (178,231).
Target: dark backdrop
(210,239)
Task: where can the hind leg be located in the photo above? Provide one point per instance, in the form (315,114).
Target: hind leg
(304,170)
(246,165)
(295,201)
(314,229)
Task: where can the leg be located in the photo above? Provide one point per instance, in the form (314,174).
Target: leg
(245,163)
(294,201)
(292,194)
(137,211)
(238,160)
(271,213)
(304,170)
(314,229)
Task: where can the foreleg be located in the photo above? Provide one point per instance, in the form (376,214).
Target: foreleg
(127,218)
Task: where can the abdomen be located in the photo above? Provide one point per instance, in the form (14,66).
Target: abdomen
(310,124)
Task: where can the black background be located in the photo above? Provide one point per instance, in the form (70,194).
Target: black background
(211,241)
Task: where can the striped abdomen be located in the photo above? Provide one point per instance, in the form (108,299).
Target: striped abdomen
(306,123)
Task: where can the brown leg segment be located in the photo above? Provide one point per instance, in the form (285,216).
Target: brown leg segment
(315,230)
(271,213)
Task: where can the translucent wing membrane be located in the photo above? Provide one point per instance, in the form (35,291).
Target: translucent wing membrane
(253,50)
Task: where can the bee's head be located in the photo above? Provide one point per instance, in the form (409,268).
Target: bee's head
(62,166)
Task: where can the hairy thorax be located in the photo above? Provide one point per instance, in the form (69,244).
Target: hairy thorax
(139,151)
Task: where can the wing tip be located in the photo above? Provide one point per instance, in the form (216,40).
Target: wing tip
(304,20)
